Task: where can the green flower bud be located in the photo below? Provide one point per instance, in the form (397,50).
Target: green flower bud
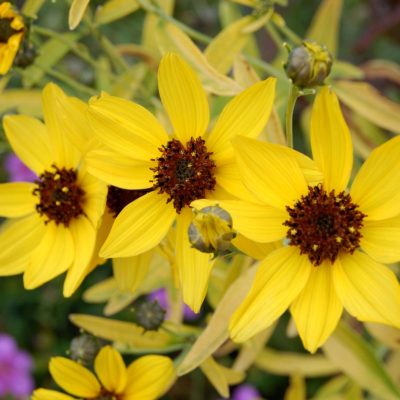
(309,64)
(150,315)
(211,230)
(84,348)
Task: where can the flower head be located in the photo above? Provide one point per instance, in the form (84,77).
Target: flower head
(56,213)
(172,170)
(337,240)
(144,379)
(11,34)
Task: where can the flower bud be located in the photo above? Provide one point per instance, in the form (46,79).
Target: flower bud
(150,315)
(211,230)
(84,348)
(309,64)
(26,56)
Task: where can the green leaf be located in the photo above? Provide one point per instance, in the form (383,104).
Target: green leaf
(297,388)
(32,7)
(324,27)
(388,335)
(342,69)
(356,358)
(382,69)
(286,363)
(364,99)
(24,101)
(113,10)
(76,12)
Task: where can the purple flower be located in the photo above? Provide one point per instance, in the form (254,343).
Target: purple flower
(161,296)
(246,392)
(15,369)
(18,171)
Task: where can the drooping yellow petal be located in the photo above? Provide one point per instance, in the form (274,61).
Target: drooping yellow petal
(84,238)
(279,279)
(245,115)
(126,127)
(273,176)
(317,309)
(331,141)
(149,377)
(74,378)
(367,289)
(111,370)
(63,152)
(129,272)
(53,256)
(17,199)
(45,394)
(254,249)
(260,223)
(30,141)
(381,239)
(376,188)
(17,241)
(140,226)
(193,266)
(183,97)
(119,170)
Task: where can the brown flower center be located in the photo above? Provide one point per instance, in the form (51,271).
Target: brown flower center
(60,196)
(323,224)
(6,31)
(118,199)
(185,173)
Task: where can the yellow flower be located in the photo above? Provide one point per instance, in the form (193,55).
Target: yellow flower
(11,34)
(55,219)
(146,378)
(336,240)
(172,170)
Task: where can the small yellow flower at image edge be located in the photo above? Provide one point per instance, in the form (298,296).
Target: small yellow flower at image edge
(12,30)
(146,378)
(336,240)
(172,170)
(53,221)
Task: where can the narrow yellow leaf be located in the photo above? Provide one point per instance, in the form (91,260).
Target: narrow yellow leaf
(297,388)
(101,292)
(76,12)
(382,69)
(25,101)
(118,302)
(32,7)
(385,334)
(113,10)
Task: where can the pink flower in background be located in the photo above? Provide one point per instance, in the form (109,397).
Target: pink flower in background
(246,392)
(161,296)
(15,369)
(17,171)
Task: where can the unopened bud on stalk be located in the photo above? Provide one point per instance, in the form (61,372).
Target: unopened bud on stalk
(150,315)
(84,348)
(211,230)
(309,64)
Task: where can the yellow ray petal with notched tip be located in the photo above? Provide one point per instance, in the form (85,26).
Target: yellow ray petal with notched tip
(279,279)
(317,309)
(194,267)
(74,378)
(183,97)
(111,370)
(17,199)
(30,141)
(368,290)
(331,141)
(149,377)
(140,226)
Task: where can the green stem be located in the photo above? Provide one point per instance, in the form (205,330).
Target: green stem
(293,95)
(113,54)
(281,25)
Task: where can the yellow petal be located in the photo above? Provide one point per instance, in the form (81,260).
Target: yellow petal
(330,141)
(119,170)
(183,97)
(193,266)
(260,223)
(95,196)
(74,378)
(17,241)
(111,370)
(130,272)
(279,279)
(76,12)
(149,377)
(245,115)
(30,141)
(381,240)
(64,154)
(273,176)
(45,394)
(82,231)
(317,309)
(376,188)
(140,226)
(126,127)
(253,249)
(17,199)
(367,289)
(53,256)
